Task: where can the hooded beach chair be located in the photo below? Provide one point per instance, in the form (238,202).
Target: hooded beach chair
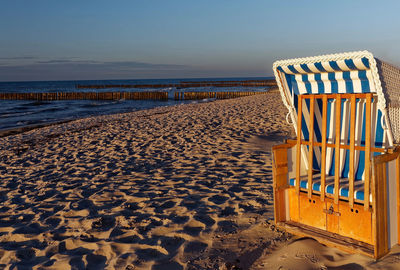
(338,181)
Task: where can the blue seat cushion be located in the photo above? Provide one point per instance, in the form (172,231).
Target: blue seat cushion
(329,186)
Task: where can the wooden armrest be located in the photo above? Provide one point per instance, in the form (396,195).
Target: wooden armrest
(384,158)
(287,144)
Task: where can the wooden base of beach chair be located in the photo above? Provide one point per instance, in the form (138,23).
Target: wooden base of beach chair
(339,180)
(337,225)
(339,218)
(328,238)
(353,228)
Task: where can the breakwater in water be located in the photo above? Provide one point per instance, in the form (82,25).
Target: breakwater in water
(198,95)
(85,96)
(212,95)
(32,104)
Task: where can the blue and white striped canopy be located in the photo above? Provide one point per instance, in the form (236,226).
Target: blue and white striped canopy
(344,76)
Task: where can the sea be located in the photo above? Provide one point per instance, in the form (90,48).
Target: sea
(15,114)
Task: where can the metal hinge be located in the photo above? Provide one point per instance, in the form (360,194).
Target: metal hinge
(330,211)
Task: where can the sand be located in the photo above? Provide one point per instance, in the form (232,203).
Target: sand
(183,187)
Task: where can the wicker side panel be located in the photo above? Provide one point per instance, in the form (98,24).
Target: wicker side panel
(394,116)
(390,80)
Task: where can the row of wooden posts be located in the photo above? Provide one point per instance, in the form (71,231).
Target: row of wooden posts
(123,95)
(216,95)
(86,95)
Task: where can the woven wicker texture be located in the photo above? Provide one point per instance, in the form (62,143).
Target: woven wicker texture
(390,81)
(394,116)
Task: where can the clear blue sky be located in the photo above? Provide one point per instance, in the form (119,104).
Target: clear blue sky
(128,39)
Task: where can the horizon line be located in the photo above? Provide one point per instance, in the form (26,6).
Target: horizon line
(177,78)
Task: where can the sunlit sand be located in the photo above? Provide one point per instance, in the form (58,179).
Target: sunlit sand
(188,186)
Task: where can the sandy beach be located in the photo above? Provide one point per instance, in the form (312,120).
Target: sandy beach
(182,187)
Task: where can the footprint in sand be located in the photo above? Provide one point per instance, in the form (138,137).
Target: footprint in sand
(205,219)
(164,206)
(53,221)
(193,231)
(171,244)
(218,199)
(33,228)
(26,254)
(193,249)
(178,219)
(95,261)
(227,226)
(128,239)
(190,205)
(228,211)
(149,254)
(104,223)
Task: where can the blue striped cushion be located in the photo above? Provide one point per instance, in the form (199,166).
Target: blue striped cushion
(329,186)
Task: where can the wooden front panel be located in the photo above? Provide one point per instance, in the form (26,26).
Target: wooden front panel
(279,171)
(280,164)
(279,205)
(312,211)
(332,220)
(380,219)
(350,222)
(293,205)
(398,197)
(355,222)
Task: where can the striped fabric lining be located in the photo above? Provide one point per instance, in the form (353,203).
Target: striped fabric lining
(330,184)
(377,137)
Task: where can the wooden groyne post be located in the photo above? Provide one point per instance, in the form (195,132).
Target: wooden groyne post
(85,96)
(159,95)
(217,95)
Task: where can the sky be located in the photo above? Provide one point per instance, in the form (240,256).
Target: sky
(136,39)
